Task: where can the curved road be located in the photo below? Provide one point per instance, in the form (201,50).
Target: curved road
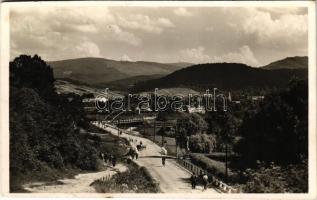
(79,184)
(172,177)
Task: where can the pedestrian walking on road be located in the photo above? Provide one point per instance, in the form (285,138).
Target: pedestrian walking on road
(163,160)
(136,155)
(110,158)
(205,180)
(193,180)
(129,159)
(114,161)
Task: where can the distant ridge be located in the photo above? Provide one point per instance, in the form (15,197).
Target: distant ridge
(223,75)
(296,62)
(100,70)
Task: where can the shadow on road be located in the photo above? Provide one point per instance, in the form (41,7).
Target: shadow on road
(167,157)
(185,180)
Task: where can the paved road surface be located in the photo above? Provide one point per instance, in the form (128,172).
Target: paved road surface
(172,177)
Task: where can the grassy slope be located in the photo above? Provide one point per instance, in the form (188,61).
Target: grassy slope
(289,63)
(63,86)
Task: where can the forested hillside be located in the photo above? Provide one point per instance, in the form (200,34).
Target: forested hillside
(45,127)
(225,76)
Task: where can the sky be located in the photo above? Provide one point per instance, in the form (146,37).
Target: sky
(254,36)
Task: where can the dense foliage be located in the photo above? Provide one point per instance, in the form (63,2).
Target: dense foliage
(276,179)
(202,143)
(44,127)
(278,130)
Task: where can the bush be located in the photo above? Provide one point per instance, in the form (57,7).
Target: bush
(135,180)
(213,167)
(202,143)
(277,179)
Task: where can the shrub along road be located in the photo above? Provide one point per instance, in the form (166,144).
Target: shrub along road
(172,178)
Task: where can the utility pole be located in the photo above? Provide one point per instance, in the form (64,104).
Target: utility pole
(176,133)
(163,133)
(226,158)
(143,126)
(118,128)
(154,129)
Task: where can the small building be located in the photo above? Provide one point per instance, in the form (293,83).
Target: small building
(257,98)
(192,109)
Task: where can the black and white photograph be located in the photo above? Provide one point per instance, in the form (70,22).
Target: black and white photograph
(200,99)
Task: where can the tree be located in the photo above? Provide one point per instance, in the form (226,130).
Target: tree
(202,143)
(190,124)
(224,125)
(278,131)
(32,72)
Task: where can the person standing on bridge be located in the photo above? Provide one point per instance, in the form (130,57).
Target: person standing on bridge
(163,160)
(205,180)
(193,180)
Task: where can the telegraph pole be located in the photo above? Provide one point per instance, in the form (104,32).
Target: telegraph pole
(143,126)
(154,129)
(118,128)
(226,157)
(176,133)
(163,133)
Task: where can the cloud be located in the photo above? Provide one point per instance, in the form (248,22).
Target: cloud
(243,55)
(144,23)
(283,11)
(125,57)
(183,12)
(247,35)
(124,36)
(164,22)
(88,49)
(198,55)
(286,31)
(60,29)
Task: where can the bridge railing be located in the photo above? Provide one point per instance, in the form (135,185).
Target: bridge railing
(216,182)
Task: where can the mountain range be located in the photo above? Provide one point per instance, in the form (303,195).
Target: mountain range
(100,71)
(142,75)
(231,76)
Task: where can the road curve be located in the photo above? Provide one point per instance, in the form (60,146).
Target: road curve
(172,177)
(79,184)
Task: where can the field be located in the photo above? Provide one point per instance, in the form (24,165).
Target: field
(64,87)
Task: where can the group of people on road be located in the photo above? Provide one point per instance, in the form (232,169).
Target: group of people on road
(133,153)
(195,179)
(109,158)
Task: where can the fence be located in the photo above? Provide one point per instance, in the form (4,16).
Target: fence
(198,170)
